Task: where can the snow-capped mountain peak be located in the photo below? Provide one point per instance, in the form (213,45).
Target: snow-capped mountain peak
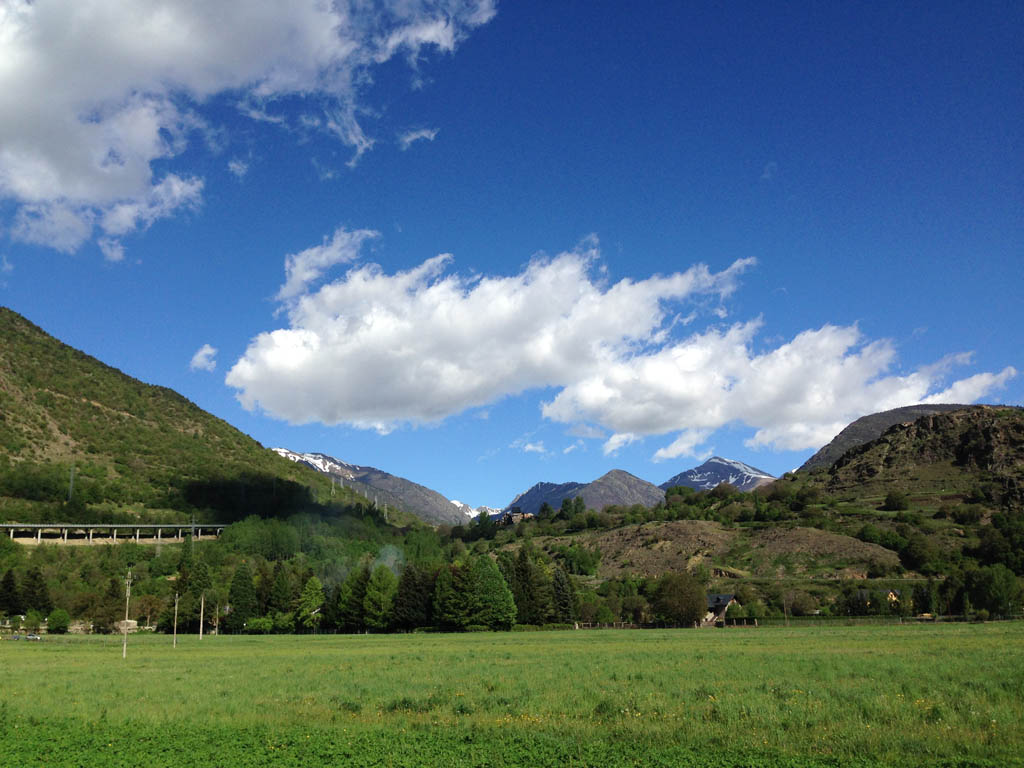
(716,471)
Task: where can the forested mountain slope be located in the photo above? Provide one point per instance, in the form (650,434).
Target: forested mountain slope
(134,448)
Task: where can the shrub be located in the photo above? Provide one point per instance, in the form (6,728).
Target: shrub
(58,622)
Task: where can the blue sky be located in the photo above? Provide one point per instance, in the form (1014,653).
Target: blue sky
(482,245)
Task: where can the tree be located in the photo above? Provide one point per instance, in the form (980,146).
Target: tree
(379,598)
(490,602)
(241,599)
(311,601)
(33,620)
(35,595)
(531,588)
(564,597)
(282,596)
(411,608)
(10,595)
(449,606)
(679,599)
(353,591)
(995,589)
(58,622)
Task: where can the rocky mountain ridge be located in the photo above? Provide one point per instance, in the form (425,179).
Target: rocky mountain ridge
(868,428)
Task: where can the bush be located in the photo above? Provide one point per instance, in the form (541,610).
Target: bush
(896,501)
(58,622)
(261,625)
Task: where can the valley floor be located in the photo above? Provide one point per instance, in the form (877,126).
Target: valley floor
(828,696)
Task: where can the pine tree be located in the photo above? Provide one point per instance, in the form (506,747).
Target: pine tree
(35,595)
(353,591)
(379,598)
(282,596)
(564,597)
(413,598)
(242,600)
(311,603)
(10,595)
(449,610)
(490,603)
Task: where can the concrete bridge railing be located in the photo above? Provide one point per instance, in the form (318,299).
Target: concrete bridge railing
(64,532)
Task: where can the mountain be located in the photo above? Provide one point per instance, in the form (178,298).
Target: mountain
(471,512)
(615,488)
(384,488)
(868,428)
(125,450)
(976,450)
(717,470)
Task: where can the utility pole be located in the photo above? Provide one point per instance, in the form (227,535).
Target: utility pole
(175,620)
(127,598)
(71,482)
(202,609)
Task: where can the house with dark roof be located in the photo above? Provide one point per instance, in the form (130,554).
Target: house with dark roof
(717,607)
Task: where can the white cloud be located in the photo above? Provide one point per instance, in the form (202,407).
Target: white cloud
(685,444)
(407,139)
(307,266)
(204,359)
(377,350)
(93,95)
(537,447)
(5,266)
(617,441)
(238,167)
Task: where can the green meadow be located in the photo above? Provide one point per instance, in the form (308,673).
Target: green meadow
(885,695)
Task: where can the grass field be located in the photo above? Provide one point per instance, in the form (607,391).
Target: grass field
(887,695)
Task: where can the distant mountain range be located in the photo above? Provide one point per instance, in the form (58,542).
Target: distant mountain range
(385,488)
(616,487)
(716,471)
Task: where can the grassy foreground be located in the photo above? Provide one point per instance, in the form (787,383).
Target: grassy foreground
(891,695)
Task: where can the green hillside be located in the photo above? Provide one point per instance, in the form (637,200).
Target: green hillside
(135,451)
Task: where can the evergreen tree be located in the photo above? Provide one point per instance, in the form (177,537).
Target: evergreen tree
(379,598)
(282,595)
(564,597)
(10,595)
(109,609)
(242,600)
(311,603)
(449,607)
(532,591)
(353,591)
(35,595)
(199,580)
(332,610)
(490,601)
(413,598)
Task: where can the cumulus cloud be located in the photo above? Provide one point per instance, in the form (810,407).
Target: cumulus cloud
(377,350)
(93,95)
(406,140)
(796,396)
(204,359)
